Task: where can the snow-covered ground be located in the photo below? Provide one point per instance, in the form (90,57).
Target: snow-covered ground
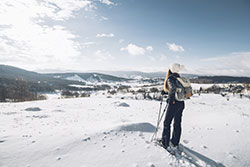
(104,132)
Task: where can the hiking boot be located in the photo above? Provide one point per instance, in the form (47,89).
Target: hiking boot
(170,150)
(164,145)
(171,144)
(175,148)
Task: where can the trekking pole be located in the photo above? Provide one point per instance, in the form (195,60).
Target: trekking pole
(159,113)
(163,113)
(159,119)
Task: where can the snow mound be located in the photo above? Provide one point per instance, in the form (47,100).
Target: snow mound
(119,104)
(140,127)
(123,105)
(40,116)
(33,109)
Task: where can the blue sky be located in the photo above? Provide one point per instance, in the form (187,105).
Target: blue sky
(208,37)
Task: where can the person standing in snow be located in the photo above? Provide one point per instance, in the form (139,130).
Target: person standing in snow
(174,110)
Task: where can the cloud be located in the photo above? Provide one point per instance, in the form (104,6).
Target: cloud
(163,57)
(134,50)
(110,35)
(102,55)
(175,48)
(121,40)
(107,2)
(103,18)
(236,63)
(151,58)
(87,44)
(149,48)
(25,37)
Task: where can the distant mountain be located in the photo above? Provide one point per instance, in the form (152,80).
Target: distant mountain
(193,77)
(135,74)
(55,81)
(62,80)
(220,79)
(138,74)
(10,72)
(87,77)
(43,82)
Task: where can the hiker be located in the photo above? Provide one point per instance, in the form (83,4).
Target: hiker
(174,110)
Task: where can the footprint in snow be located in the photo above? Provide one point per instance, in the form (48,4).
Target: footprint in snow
(136,165)
(232,155)
(2,141)
(106,133)
(185,141)
(151,165)
(58,110)
(33,109)
(140,134)
(104,137)
(86,139)
(205,147)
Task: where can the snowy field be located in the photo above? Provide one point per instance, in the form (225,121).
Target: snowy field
(105,132)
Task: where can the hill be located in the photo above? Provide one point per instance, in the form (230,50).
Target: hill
(220,79)
(139,74)
(57,80)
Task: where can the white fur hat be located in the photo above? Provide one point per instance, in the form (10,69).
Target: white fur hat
(175,67)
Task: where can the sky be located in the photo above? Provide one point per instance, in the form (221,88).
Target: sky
(207,37)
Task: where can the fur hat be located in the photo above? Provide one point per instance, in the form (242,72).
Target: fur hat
(175,67)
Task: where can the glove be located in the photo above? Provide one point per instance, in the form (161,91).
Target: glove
(163,92)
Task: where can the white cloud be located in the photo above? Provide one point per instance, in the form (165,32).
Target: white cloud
(121,40)
(103,18)
(175,48)
(134,50)
(102,55)
(236,63)
(163,57)
(110,35)
(107,2)
(26,38)
(149,48)
(87,44)
(151,58)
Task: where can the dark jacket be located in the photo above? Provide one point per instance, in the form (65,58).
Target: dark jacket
(172,85)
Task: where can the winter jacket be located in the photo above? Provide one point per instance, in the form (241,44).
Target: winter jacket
(172,84)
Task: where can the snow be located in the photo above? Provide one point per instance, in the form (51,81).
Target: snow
(75,78)
(80,86)
(196,86)
(96,131)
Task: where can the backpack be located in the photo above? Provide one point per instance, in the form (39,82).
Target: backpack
(183,89)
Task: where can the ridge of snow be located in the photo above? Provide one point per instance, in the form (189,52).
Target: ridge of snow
(75,78)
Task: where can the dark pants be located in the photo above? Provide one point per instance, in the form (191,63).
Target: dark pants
(174,111)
